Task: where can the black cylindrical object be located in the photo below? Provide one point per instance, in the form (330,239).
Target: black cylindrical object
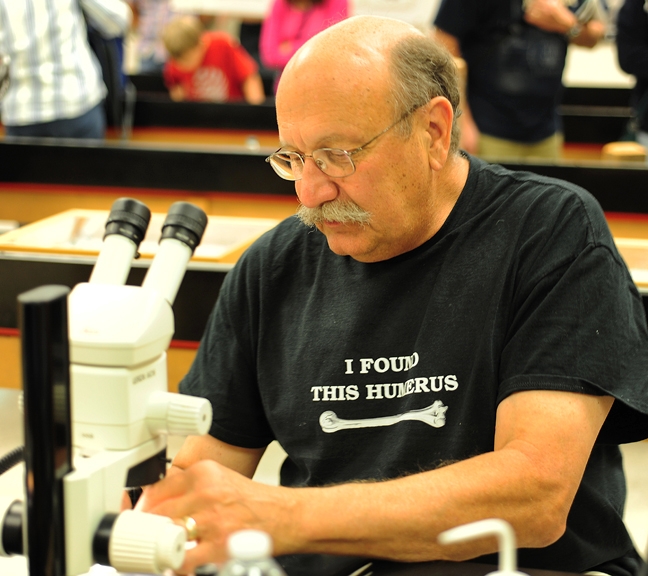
(129,218)
(43,315)
(185,222)
(12,529)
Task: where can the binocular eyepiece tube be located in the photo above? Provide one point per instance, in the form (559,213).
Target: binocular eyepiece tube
(182,231)
(125,229)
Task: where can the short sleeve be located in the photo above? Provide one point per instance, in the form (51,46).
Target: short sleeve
(224,370)
(579,323)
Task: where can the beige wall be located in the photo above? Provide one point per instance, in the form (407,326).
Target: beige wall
(179,360)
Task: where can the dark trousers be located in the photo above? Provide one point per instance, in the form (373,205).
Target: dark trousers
(92,124)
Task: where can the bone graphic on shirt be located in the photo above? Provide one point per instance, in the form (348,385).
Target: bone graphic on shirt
(433,415)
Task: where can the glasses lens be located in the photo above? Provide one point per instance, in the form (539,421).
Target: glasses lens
(287,164)
(334,162)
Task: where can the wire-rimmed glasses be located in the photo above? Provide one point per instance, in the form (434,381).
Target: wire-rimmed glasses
(334,162)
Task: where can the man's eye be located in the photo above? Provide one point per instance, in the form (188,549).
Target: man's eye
(337,157)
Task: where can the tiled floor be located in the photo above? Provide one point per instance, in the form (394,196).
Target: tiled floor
(635,457)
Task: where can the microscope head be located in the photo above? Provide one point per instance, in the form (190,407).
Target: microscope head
(120,410)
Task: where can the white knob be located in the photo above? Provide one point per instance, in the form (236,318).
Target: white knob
(142,542)
(178,414)
(249,545)
(489,527)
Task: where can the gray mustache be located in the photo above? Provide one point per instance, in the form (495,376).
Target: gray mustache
(334,211)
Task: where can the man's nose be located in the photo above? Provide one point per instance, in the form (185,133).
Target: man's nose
(315,188)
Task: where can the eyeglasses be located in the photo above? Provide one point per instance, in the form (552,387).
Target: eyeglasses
(334,162)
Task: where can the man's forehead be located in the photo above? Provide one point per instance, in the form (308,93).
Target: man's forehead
(332,112)
(315,83)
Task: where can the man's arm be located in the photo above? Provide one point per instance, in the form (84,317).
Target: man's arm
(543,440)
(196,448)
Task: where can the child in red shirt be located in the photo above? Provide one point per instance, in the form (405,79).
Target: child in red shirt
(208,66)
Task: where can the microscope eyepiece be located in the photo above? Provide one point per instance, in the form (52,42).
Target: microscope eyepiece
(185,222)
(125,229)
(129,218)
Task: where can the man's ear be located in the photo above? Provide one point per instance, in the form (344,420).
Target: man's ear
(439,117)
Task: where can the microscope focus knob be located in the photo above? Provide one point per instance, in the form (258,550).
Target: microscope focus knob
(178,414)
(141,542)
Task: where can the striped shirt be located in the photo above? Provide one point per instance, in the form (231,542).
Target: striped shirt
(53,72)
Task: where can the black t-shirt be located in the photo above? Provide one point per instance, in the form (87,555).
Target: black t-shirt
(507,98)
(521,289)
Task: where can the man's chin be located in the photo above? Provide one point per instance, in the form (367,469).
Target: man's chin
(346,245)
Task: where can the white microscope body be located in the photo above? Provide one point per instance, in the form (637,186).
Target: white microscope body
(121,411)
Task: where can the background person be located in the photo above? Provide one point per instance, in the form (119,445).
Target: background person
(56,87)
(515,52)
(443,341)
(291,22)
(150,18)
(208,66)
(632,50)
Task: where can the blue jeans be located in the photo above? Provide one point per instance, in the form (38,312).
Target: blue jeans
(92,124)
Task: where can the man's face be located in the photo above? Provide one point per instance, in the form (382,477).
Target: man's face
(392,180)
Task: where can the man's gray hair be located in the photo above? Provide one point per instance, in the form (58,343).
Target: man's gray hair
(421,70)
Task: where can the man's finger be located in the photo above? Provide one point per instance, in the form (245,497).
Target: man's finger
(203,553)
(169,487)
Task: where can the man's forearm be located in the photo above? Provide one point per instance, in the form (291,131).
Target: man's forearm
(543,440)
(400,519)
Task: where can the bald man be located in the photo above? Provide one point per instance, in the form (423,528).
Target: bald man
(433,340)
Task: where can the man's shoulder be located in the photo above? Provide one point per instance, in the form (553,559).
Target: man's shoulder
(531,184)
(534,196)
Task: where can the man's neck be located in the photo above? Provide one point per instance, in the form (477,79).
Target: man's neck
(448,185)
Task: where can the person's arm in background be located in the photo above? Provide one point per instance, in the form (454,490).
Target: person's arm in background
(469,131)
(554,16)
(274,54)
(135,10)
(112,18)
(324,15)
(328,13)
(246,71)
(253,89)
(173,83)
(632,38)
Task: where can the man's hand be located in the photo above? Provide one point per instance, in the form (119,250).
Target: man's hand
(221,502)
(550,15)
